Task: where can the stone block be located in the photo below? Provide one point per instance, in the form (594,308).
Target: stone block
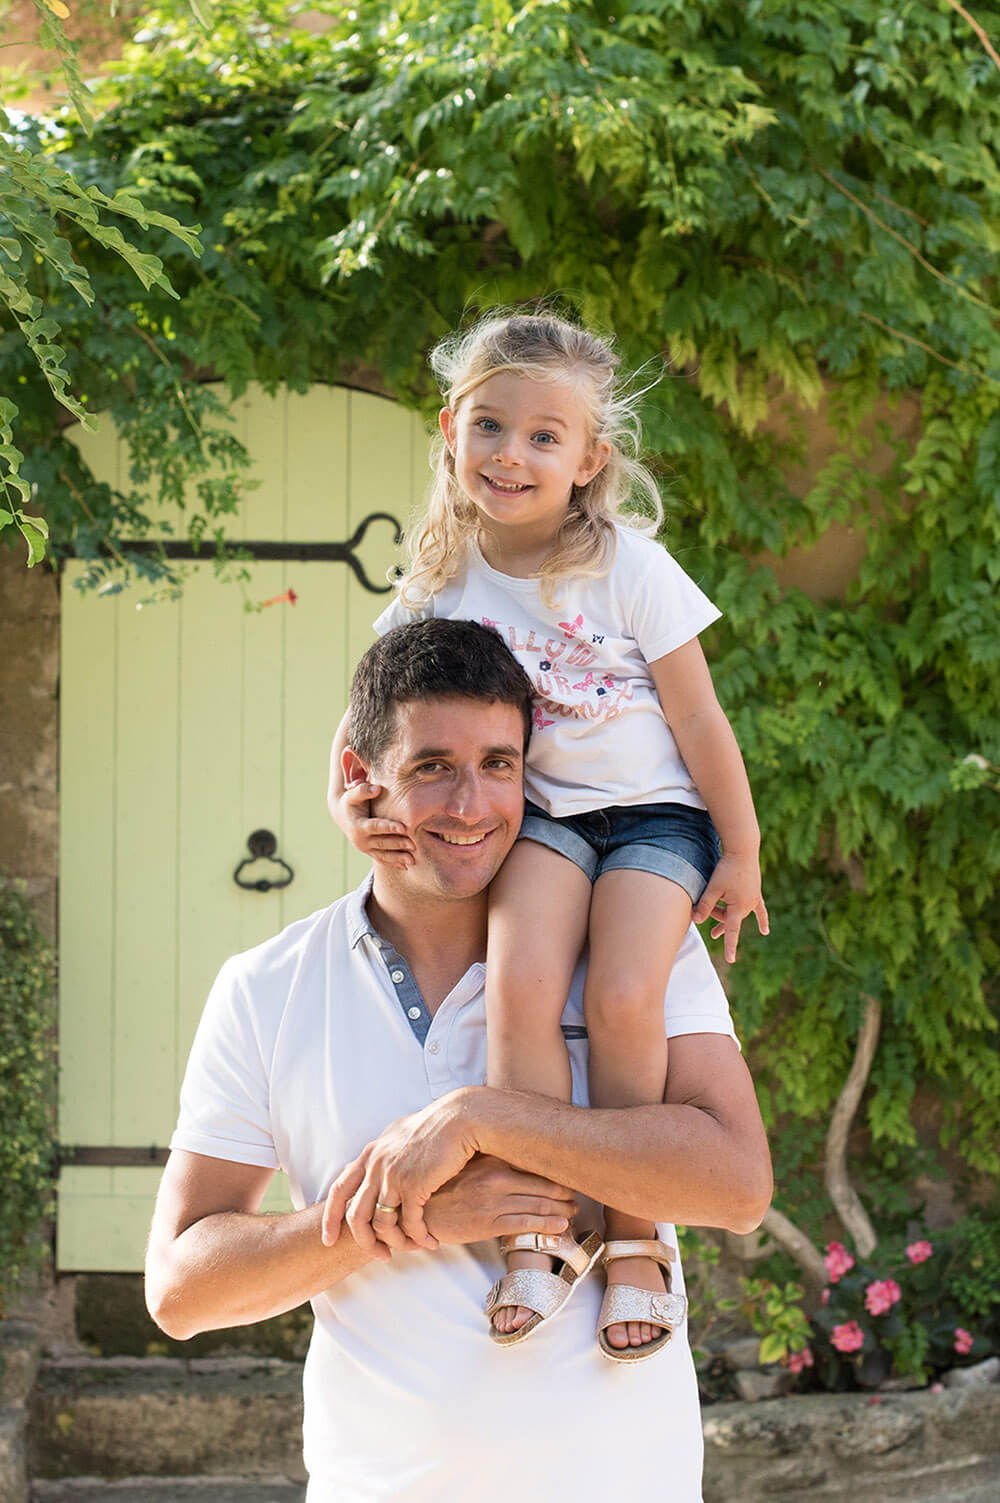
(770,1428)
(979,1375)
(742,1355)
(754,1385)
(20,1352)
(876,1430)
(113,1417)
(27,594)
(13,1473)
(110,1319)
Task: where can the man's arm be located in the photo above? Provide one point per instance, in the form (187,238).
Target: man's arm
(700,1158)
(213,1262)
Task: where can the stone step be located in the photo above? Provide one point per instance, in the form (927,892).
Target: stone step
(171,1490)
(122,1417)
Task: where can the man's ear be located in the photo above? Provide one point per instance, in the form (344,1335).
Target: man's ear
(354,770)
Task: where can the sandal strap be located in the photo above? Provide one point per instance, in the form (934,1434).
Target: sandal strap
(639,1247)
(625,1302)
(576,1255)
(534,1288)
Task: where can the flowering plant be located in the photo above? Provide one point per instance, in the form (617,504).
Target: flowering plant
(898,1313)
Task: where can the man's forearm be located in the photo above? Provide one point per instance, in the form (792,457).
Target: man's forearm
(234,1268)
(676,1162)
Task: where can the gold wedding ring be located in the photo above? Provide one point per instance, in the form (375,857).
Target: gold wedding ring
(392,1210)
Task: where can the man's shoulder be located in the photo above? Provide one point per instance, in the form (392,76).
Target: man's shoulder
(275,959)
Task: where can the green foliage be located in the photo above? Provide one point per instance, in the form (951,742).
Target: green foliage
(795,204)
(26,1086)
(710,1312)
(776,1314)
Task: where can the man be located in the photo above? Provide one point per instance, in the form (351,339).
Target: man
(372,1010)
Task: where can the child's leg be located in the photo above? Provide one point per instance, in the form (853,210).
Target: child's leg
(539,903)
(637,923)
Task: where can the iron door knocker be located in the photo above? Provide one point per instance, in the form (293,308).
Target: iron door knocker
(262,846)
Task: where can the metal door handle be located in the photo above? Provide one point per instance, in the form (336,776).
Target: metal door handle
(262,846)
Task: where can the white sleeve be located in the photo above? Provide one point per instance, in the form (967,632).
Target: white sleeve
(695,1001)
(398,614)
(225,1110)
(667,608)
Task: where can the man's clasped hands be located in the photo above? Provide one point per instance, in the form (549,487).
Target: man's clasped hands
(423,1182)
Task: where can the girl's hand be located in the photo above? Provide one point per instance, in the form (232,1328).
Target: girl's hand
(400,1170)
(732,893)
(383,840)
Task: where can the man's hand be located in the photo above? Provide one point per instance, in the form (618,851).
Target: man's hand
(490,1199)
(400,1170)
(383,840)
(732,893)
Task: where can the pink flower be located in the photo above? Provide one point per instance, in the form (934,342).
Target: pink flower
(838,1260)
(963,1341)
(799,1361)
(881,1295)
(919,1252)
(849,1337)
(937,1388)
(824,1298)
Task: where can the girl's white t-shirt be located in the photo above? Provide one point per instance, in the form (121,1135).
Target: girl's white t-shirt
(600,736)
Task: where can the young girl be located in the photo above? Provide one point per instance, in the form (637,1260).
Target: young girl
(629,746)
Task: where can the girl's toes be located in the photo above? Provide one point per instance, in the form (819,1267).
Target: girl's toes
(647,1333)
(618,1335)
(634,1338)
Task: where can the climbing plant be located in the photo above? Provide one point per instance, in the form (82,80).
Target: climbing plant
(794,206)
(27,1087)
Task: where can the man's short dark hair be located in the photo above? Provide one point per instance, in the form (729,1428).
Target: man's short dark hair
(434,659)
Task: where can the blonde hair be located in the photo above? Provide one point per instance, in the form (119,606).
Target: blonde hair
(542,347)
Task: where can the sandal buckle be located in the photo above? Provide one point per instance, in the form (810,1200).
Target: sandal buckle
(546,1242)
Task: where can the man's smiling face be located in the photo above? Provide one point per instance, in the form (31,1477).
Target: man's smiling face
(453,776)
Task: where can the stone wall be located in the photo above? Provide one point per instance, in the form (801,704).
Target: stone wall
(29,729)
(943,1446)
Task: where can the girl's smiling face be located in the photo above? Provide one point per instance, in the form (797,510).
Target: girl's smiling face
(520,445)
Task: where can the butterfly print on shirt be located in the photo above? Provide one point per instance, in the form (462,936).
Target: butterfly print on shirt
(571,627)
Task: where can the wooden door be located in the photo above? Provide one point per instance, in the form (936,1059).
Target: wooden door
(186,726)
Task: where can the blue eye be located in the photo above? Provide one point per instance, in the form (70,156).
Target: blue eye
(547,435)
(490,424)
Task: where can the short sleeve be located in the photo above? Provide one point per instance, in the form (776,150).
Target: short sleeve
(398,614)
(666,607)
(225,1110)
(695,1001)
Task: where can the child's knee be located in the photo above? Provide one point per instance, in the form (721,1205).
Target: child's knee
(623,1011)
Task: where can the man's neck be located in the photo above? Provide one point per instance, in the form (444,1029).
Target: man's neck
(440,940)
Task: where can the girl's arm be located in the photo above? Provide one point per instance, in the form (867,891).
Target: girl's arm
(349,804)
(706,742)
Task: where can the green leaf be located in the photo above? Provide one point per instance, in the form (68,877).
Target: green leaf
(772,1348)
(34,536)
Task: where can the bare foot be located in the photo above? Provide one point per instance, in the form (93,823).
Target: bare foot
(508,1318)
(641,1273)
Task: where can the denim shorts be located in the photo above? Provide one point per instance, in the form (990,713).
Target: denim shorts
(670,840)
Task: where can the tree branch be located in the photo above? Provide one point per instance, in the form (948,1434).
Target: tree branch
(796,1244)
(980,33)
(845,1199)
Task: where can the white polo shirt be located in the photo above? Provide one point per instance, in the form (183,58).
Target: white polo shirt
(309,1045)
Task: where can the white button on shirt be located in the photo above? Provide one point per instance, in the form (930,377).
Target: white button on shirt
(302,1056)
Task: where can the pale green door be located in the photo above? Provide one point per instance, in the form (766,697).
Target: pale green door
(186,726)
